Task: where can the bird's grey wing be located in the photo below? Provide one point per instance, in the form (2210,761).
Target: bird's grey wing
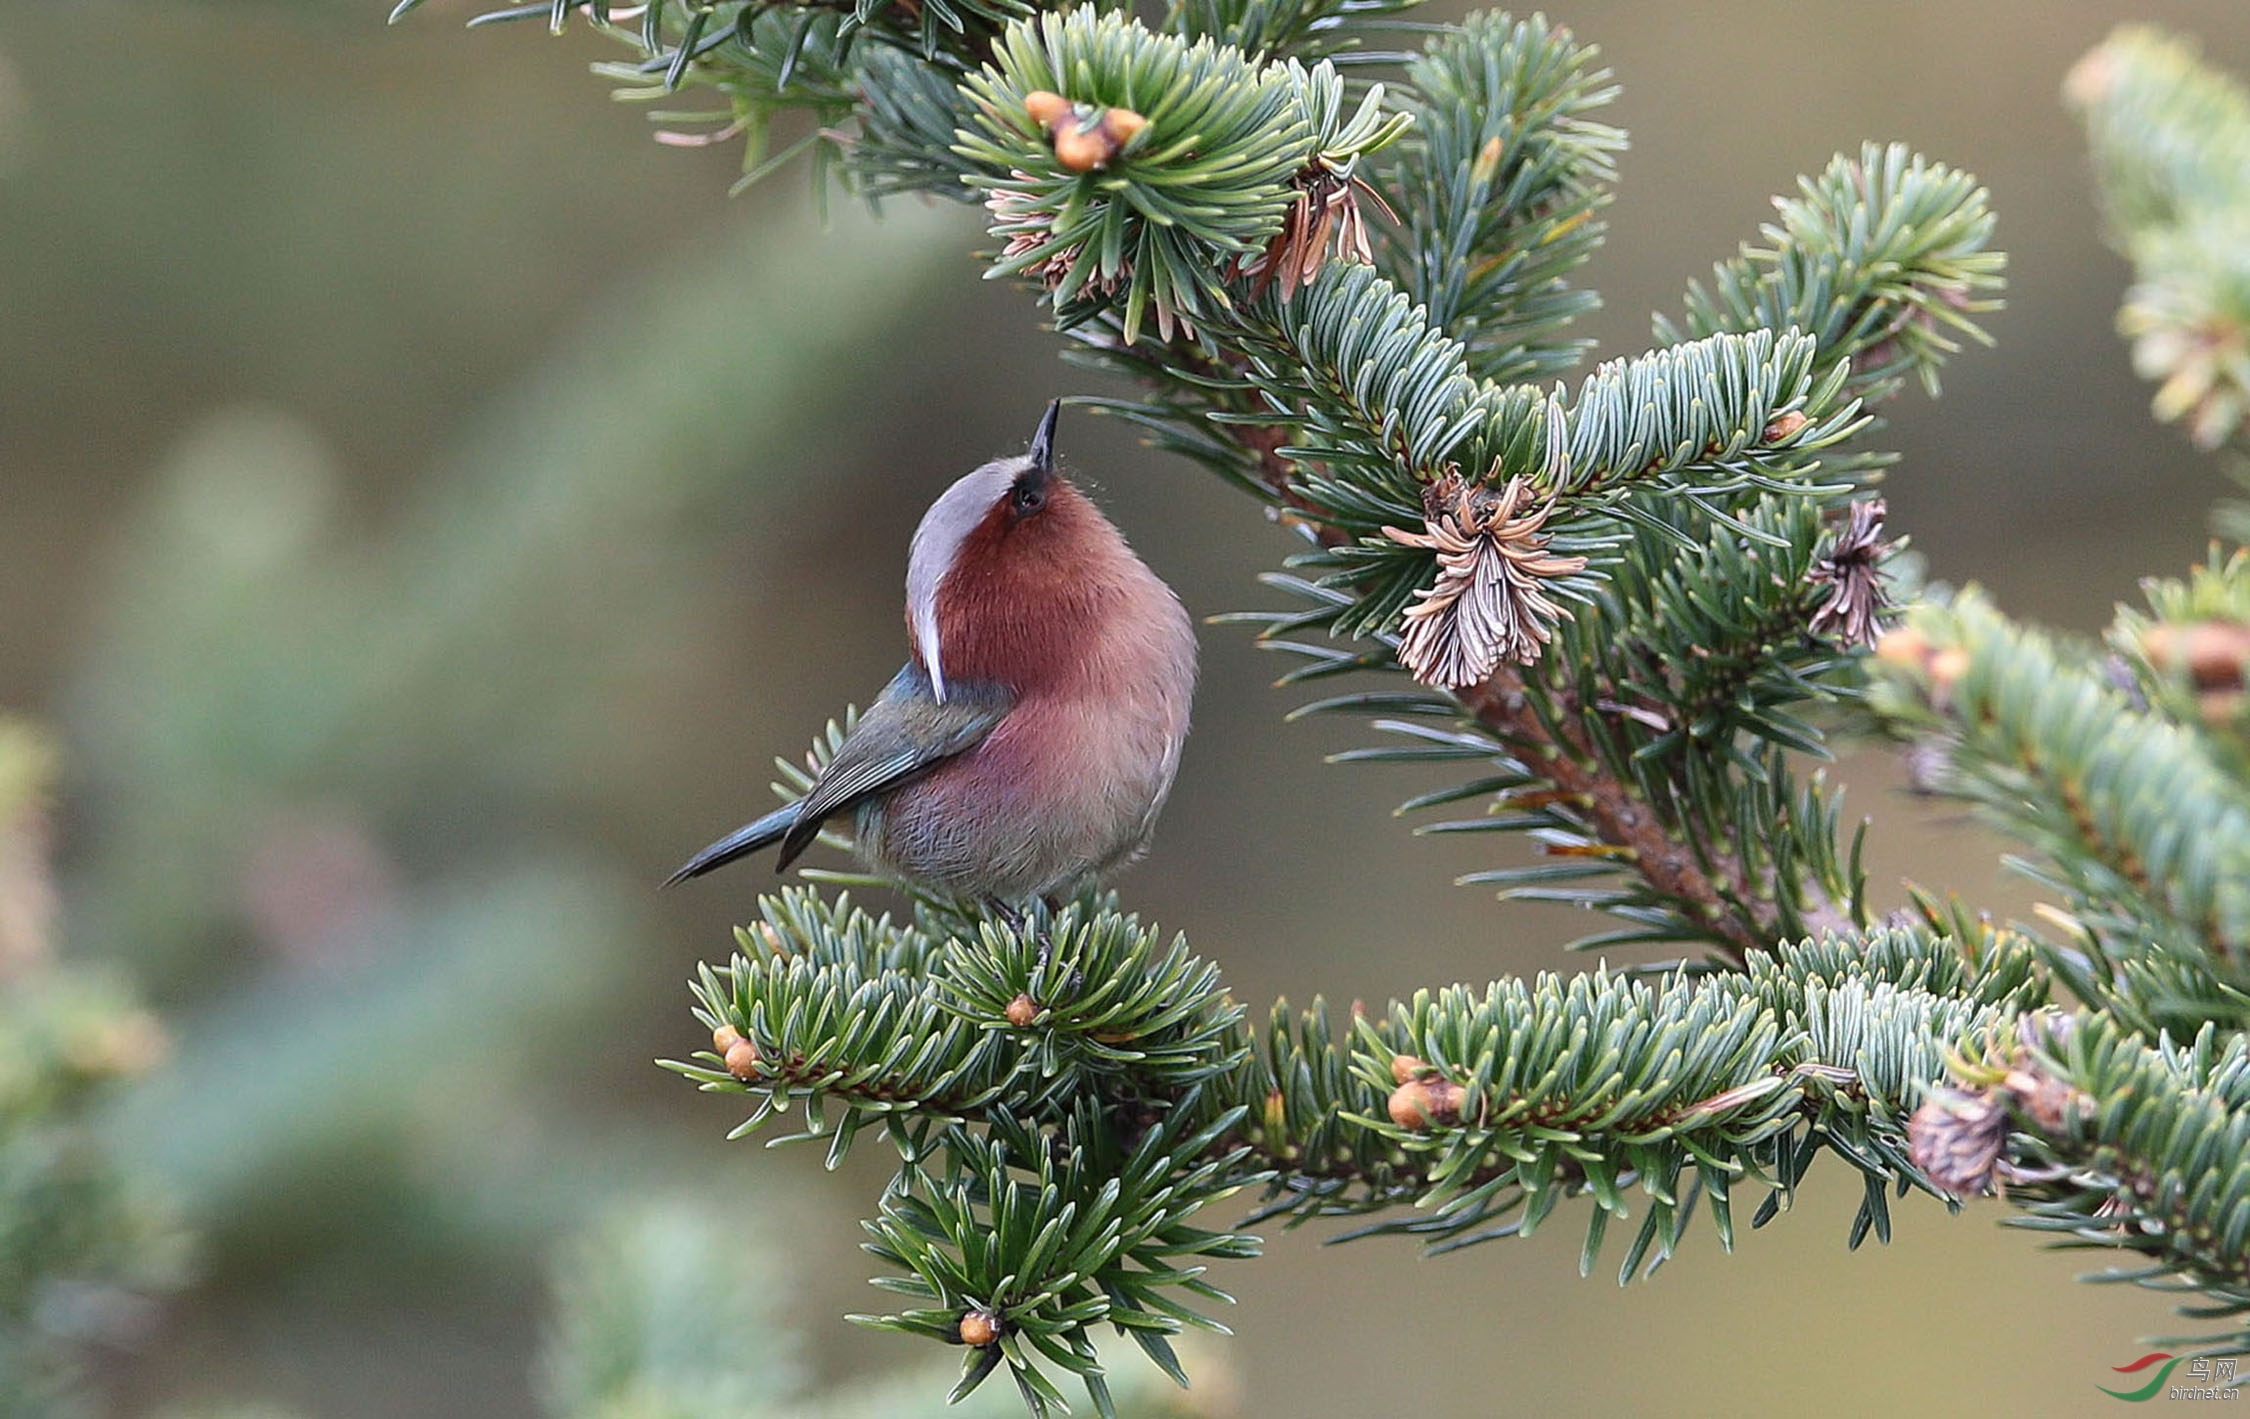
(906,732)
(741,842)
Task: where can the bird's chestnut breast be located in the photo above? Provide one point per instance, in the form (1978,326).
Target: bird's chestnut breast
(1030,600)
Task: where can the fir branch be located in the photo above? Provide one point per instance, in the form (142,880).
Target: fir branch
(1021,1247)
(1706,892)
(1654,564)
(2146,834)
(931,1018)
(761,62)
(1475,1106)
(908,114)
(2106,1139)
(1646,755)
(1327,218)
(1378,400)
(678,38)
(2189,653)
(1146,221)
(1375,398)
(1684,684)
(834,1007)
(1498,189)
(1714,417)
(1307,29)
(1501,135)
(1101,997)
(1066,1092)
(1479,1106)
(1715,621)
(1882,260)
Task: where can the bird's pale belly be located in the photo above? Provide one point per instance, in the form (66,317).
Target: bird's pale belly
(1004,823)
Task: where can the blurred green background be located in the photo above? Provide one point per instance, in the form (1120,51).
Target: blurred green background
(429,505)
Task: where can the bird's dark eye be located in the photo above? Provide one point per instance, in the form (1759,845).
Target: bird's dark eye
(1027,499)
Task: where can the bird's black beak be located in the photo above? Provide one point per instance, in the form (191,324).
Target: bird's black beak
(1043,441)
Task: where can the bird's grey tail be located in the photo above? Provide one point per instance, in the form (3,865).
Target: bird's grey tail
(740,843)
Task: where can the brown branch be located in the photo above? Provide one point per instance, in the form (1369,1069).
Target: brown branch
(1502,704)
(1265,440)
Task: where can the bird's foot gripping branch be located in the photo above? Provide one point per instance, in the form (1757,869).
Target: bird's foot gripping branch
(1628,611)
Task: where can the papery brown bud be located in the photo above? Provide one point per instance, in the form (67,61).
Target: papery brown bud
(979,1328)
(1048,109)
(1784,425)
(1850,568)
(742,1059)
(1491,602)
(2045,1099)
(1405,1067)
(1022,1011)
(1122,126)
(2216,654)
(1426,1103)
(1955,1138)
(1082,150)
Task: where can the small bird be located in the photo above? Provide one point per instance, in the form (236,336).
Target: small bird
(1027,745)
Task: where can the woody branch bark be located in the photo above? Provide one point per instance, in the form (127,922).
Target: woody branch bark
(1502,703)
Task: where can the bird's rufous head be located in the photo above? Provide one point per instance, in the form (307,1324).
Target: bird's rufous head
(1011,571)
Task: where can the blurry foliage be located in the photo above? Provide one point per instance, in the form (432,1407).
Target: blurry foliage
(260,685)
(84,1236)
(2171,145)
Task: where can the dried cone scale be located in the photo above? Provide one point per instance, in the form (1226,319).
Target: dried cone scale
(1490,604)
